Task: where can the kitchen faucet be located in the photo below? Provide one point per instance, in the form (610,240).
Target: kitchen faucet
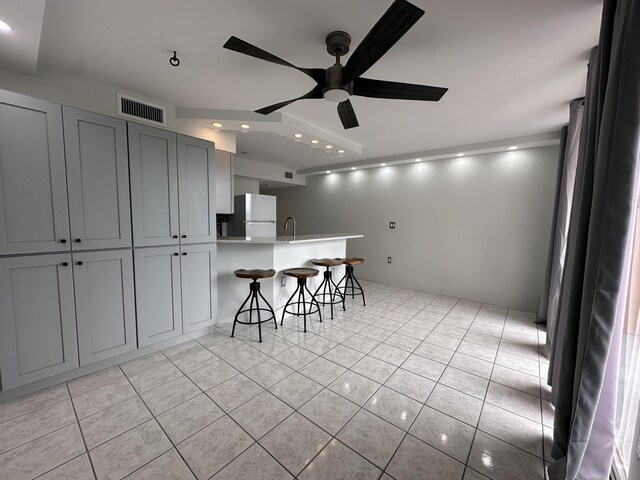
(286,223)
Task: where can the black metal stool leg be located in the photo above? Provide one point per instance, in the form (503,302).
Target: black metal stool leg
(273,314)
(235,319)
(254,296)
(325,286)
(284,310)
(361,289)
(313,299)
(302,283)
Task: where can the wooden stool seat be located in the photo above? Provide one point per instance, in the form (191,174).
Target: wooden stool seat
(300,272)
(353,261)
(327,262)
(254,274)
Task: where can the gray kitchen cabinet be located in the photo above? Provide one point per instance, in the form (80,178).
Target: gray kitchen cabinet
(158,295)
(98,180)
(33,187)
(105,305)
(196,186)
(199,286)
(224,182)
(153,169)
(38,321)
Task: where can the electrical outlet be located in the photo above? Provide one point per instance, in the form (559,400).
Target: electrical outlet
(392,225)
(388,259)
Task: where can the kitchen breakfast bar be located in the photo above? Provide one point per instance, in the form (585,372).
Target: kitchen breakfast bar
(276,253)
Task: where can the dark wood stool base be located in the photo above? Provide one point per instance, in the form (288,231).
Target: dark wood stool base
(355,288)
(314,306)
(254,293)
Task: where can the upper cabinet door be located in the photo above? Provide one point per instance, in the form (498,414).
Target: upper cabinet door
(199,286)
(197,186)
(105,305)
(38,321)
(98,179)
(224,182)
(154,185)
(33,187)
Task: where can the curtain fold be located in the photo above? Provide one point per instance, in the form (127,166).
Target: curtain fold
(599,232)
(560,175)
(565,200)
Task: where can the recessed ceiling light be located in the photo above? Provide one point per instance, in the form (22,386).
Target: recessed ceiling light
(515,147)
(340,151)
(383,164)
(5,27)
(328,171)
(216,124)
(297,135)
(417,159)
(314,141)
(244,125)
(353,168)
(328,147)
(460,155)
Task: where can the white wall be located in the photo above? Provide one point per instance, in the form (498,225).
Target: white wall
(242,185)
(100,98)
(265,171)
(473,227)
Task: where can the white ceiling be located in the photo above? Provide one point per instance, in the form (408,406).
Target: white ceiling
(511,66)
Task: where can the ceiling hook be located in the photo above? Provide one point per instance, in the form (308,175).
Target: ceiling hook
(174,60)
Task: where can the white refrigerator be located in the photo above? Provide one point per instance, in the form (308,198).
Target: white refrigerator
(254,216)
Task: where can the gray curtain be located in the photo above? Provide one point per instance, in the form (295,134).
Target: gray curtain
(544,297)
(564,200)
(599,231)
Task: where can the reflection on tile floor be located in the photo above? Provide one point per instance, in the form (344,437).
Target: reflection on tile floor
(412,386)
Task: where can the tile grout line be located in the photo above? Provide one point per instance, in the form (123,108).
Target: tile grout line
(84,442)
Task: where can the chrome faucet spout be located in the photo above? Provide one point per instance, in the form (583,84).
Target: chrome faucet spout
(286,224)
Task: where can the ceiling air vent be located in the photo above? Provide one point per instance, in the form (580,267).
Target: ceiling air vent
(143,111)
(288,175)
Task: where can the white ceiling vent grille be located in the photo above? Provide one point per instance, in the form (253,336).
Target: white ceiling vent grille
(142,111)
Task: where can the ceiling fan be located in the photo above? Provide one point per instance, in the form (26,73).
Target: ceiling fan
(337,83)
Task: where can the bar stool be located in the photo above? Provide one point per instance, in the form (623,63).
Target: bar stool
(254,293)
(356,289)
(301,274)
(327,283)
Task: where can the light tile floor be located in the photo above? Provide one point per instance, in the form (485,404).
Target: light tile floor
(412,386)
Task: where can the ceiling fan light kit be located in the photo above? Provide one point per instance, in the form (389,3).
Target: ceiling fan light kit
(337,83)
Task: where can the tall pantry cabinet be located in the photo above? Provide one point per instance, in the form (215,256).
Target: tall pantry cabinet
(69,257)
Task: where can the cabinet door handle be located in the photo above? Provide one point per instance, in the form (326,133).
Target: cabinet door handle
(79,263)
(63,240)
(78,240)
(65,264)
(174,236)
(184,236)
(175,254)
(184,253)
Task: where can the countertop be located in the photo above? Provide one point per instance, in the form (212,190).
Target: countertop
(320,237)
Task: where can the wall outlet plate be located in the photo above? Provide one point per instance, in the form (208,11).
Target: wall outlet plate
(392,225)
(388,259)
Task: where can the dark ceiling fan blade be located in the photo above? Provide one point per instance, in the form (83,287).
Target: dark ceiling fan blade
(237,45)
(366,87)
(347,115)
(396,21)
(316,92)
